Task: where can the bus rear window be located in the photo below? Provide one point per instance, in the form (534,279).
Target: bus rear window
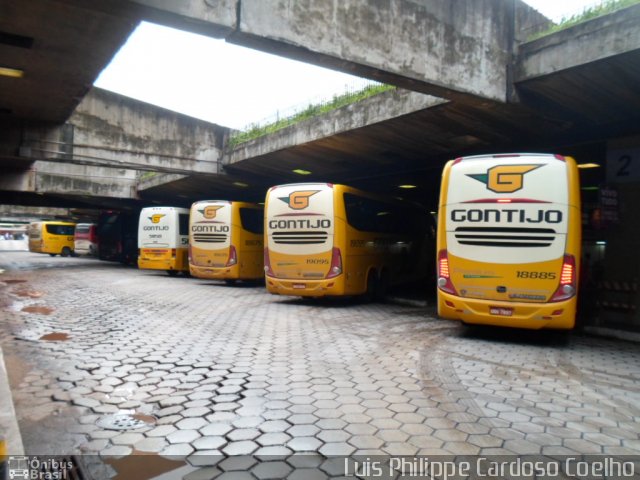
(60,229)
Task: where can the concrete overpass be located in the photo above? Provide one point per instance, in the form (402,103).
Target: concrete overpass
(494,90)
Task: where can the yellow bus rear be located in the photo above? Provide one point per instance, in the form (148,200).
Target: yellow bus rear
(226,240)
(54,238)
(163,239)
(509,237)
(334,240)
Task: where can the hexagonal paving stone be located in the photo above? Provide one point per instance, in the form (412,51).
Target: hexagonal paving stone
(183,436)
(336,449)
(304,444)
(209,443)
(244,447)
(191,423)
(273,426)
(366,441)
(218,428)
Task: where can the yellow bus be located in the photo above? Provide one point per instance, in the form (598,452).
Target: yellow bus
(509,235)
(52,237)
(226,240)
(334,240)
(163,239)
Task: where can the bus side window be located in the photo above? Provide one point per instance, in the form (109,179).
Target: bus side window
(252,220)
(183,220)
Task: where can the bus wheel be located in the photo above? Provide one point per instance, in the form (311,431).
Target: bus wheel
(383,287)
(66,252)
(172,273)
(372,287)
(230,282)
(52,254)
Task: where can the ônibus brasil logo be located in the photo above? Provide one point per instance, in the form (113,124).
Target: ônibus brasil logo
(298,200)
(210,211)
(504,178)
(155,218)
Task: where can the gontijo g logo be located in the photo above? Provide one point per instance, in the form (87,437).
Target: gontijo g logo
(504,178)
(298,200)
(155,218)
(210,211)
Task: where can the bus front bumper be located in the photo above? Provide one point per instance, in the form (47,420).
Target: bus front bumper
(556,315)
(305,288)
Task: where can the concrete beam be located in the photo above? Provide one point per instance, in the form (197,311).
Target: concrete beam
(598,39)
(81,180)
(116,131)
(457,50)
(151,181)
(390,104)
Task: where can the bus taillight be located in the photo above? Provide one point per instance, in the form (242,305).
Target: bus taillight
(336,263)
(267,264)
(233,257)
(174,252)
(567,287)
(444,279)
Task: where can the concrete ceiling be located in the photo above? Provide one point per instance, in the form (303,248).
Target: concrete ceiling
(62,45)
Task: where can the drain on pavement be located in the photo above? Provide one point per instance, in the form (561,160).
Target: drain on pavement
(125,421)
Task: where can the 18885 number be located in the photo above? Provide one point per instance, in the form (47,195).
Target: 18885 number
(536,275)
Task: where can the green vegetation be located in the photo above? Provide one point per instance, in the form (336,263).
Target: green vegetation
(256,130)
(604,8)
(147,175)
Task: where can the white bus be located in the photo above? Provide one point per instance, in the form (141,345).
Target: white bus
(163,239)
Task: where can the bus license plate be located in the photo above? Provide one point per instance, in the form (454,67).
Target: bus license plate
(503,312)
(299,286)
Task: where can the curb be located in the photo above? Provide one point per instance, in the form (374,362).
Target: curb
(12,441)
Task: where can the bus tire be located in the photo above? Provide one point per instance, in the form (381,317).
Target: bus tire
(383,287)
(172,273)
(52,254)
(372,286)
(66,252)
(230,282)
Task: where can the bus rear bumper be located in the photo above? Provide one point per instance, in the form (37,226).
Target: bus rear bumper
(215,273)
(305,288)
(557,315)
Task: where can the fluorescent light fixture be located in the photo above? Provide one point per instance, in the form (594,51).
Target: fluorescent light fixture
(407,186)
(590,189)
(240,184)
(600,242)
(588,165)
(11,72)
(300,171)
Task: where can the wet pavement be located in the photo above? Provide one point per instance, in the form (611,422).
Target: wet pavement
(109,360)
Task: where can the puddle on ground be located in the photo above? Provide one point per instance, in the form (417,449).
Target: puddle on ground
(28,293)
(141,466)
(36,309)
(143,417)
(55,337)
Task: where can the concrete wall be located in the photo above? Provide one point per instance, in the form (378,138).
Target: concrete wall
(112,130)
(622,259)
(599,38)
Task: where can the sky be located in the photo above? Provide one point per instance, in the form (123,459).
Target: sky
(238,86)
